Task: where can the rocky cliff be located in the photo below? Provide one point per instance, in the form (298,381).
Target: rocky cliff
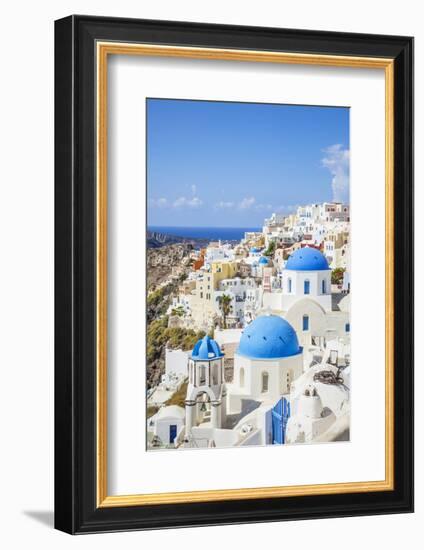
(157,240)
(168,261)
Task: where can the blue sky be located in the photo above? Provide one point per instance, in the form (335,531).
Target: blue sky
(217,164)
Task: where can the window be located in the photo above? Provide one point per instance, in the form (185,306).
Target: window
(215,374)
(202,376)
(305,322)
(242,377)
(265,382)
(306,287)
(324,287)
(290,285)
(347,327)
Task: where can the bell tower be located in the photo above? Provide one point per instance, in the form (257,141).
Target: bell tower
(206,386)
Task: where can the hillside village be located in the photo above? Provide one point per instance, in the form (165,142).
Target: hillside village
(249,342)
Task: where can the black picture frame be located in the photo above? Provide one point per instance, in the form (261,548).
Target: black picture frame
(76,510)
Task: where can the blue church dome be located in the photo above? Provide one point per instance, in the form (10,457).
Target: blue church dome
(307,259)
(255,250)
(263,261)
(206,349)
(269,337)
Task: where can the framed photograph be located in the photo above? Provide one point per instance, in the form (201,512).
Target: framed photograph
(234,274)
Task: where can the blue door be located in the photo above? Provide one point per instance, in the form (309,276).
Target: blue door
(280,416)
(172,432)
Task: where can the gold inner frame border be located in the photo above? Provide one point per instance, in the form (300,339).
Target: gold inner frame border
(103,50)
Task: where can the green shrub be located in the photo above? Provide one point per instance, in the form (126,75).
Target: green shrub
(271,249)
(337,276)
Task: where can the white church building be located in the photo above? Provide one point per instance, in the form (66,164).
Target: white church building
(219,414)
(305,299)
(266,362)
(254,408)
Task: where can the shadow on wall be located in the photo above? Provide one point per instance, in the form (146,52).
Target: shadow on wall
(247,406)
(46,517)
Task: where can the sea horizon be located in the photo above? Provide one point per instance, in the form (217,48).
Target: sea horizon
(217,233)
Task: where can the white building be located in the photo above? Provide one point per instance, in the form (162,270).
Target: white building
(176,373)
(176,362)
(255,254)
(181,302)
(319,411)
(252,304)
(318,233)
(257,262)
(330,211)
(266,362)
(168,424)
(218,252)
(312,419)
(227,336)
(274,220)
(306,274)
(305,299)
(237,289)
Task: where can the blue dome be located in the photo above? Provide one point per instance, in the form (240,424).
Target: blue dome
(269,337)
(255,250)
(263,261)
(307,259)
(206,349)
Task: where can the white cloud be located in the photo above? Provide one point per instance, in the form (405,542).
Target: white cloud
(191,202)
(224,204)
(247,202)
(250,203)
(180,202)
(336,160)
(244,204)
(159,203)
(194,202)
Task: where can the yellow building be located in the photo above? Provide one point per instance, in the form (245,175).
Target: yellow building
(222,270)
(202,304)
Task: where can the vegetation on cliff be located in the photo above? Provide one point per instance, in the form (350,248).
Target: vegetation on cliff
(271,249)
(160,336)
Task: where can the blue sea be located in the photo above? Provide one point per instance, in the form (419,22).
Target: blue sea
(212,233)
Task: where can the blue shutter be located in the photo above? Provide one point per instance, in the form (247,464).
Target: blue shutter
(172,432)
(280,416)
